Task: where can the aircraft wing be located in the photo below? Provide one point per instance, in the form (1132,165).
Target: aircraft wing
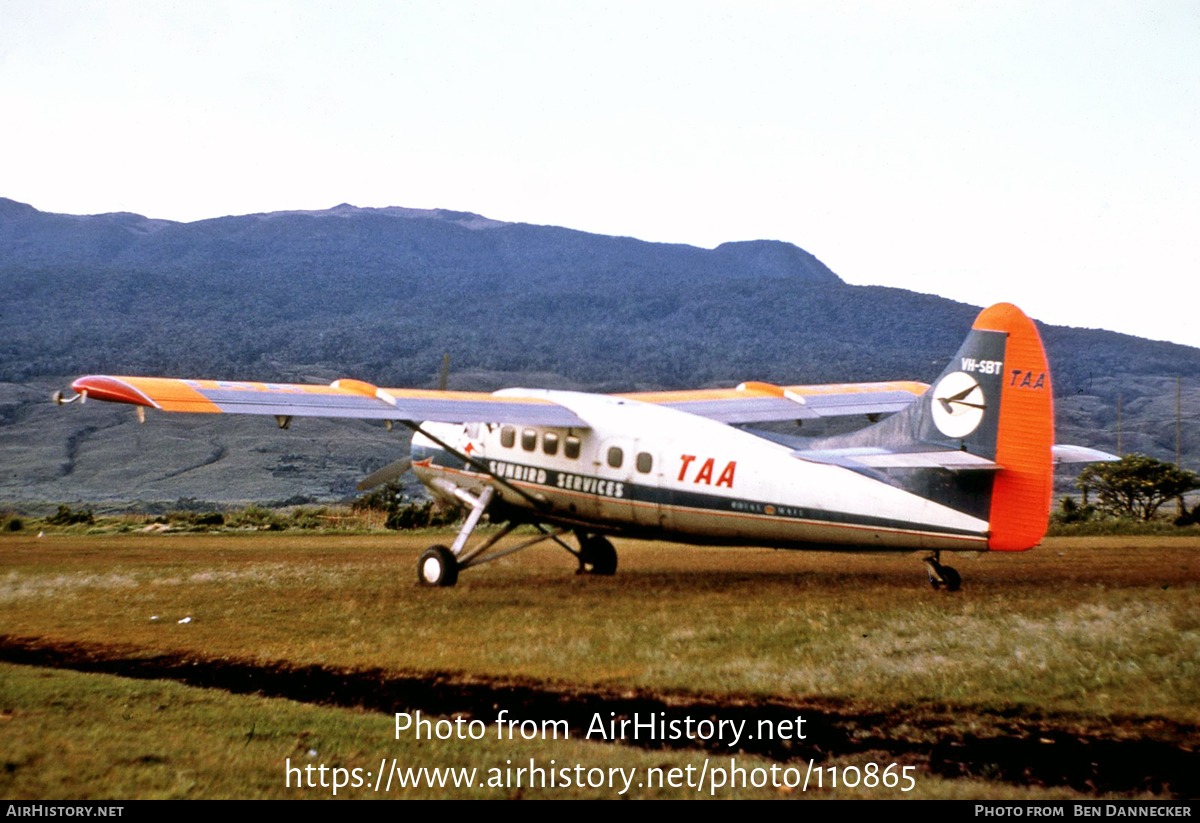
(765,402)
(342,398)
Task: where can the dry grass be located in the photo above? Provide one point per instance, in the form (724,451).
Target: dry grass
(1100,634)
(89,736)
(1089,626)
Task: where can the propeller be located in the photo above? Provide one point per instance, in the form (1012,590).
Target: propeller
(395,469)
(388,473)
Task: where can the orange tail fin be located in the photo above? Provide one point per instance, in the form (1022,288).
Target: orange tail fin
(1023,488)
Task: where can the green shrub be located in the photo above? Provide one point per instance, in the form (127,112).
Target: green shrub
(66,517)
(420,516)
(303,518)
(1189,518)
(1069,511)
(389,498)
(385,498)
(256,517)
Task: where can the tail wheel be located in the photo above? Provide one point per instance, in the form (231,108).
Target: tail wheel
(598,556)
(940,576)
(437,567)
(951,579)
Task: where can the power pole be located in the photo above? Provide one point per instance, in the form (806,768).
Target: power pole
(1182,509)
(444,374)
(1120,453)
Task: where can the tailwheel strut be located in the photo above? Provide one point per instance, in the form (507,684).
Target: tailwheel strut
(942,576)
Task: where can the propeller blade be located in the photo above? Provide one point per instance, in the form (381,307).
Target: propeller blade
(389,472)
(444,376)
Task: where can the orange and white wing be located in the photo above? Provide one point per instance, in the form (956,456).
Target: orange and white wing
(748,403)
(765,402)
(342,398)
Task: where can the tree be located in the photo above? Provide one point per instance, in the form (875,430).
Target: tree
(1136,485)
(389,498)
(1071,512)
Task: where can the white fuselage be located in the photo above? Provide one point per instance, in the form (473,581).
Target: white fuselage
(651,471)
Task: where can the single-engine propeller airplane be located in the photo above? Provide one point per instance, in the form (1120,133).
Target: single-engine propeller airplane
(963,465)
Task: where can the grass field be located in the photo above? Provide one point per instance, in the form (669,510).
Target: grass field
(1070,670)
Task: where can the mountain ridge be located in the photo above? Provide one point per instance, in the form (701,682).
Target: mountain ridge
(100,241)
(381,294)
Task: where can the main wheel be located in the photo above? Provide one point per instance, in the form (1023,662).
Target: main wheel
(437,567)
(599,556)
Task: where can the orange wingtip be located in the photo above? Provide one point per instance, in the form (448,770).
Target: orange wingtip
(165,393)
(101,387)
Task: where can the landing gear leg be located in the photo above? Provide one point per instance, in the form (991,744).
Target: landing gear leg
(940,575)
(438,565)
(596,555)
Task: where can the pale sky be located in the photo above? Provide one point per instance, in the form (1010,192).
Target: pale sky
(1043,153)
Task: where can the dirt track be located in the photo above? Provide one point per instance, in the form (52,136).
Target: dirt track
(1127,755)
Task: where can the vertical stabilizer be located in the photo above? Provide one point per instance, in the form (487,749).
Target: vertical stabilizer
(1023,487)
(993,401)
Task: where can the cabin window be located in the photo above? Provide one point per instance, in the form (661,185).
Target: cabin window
(550,443)
(644,462)
(529,440)
(615,457)
(571,447)
(508,436)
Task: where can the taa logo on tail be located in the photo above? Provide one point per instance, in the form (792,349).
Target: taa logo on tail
(957,404)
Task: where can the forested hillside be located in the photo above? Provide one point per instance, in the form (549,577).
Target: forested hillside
(380,294)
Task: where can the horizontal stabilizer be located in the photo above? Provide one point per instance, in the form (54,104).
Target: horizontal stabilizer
(881,458)
(1082,454)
